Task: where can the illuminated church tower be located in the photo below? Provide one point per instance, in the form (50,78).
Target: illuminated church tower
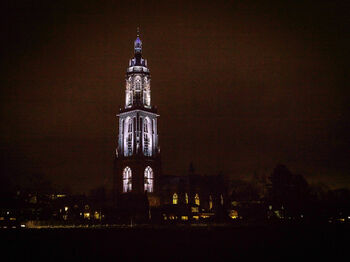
(137,163)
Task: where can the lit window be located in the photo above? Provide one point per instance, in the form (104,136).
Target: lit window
(137,83)
(127,183)
(145,123)
(196,199)
(97,215)
(233,214)
(175,199)
(146,143)
(147,97)
(130,137)
(146,137)
(194,209)
(186,198)
(129,144)
(128,94)
(210,203)
(148,179)
(61,195)
(130,126)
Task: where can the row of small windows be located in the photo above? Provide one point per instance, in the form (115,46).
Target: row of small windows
(148,179)
(176,199)
(196,200)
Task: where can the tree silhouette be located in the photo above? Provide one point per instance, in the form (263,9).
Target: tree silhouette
(288,191)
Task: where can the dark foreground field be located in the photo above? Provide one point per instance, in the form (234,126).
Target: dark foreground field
(182,243)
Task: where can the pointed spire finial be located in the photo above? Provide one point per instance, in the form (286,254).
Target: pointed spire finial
(138,42)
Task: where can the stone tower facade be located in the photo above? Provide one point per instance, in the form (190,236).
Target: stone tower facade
(137,162)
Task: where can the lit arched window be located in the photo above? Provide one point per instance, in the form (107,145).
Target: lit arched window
(127,180)
(138,83)
(175,199)
(148,179)
(128,93)
(210,203)
(147,138)
(196,199)
(221,200)
(145,125)
(130,137)
(186,198)
(146,93)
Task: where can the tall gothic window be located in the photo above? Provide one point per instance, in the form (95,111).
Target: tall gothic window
(175,199)
(196,199)
(130,137)
(148,179)
(146,93)
(186,198)
(127,180)
(146,137)
(145,128)
(137,89)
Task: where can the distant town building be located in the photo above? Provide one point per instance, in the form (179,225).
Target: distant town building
(193,197)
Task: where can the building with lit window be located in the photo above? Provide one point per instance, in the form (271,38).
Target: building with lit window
(192,197)
(138,184)
(137,161)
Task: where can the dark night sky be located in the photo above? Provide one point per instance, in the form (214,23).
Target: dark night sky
(240,86)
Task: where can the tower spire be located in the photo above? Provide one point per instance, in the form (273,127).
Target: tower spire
(138,43)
